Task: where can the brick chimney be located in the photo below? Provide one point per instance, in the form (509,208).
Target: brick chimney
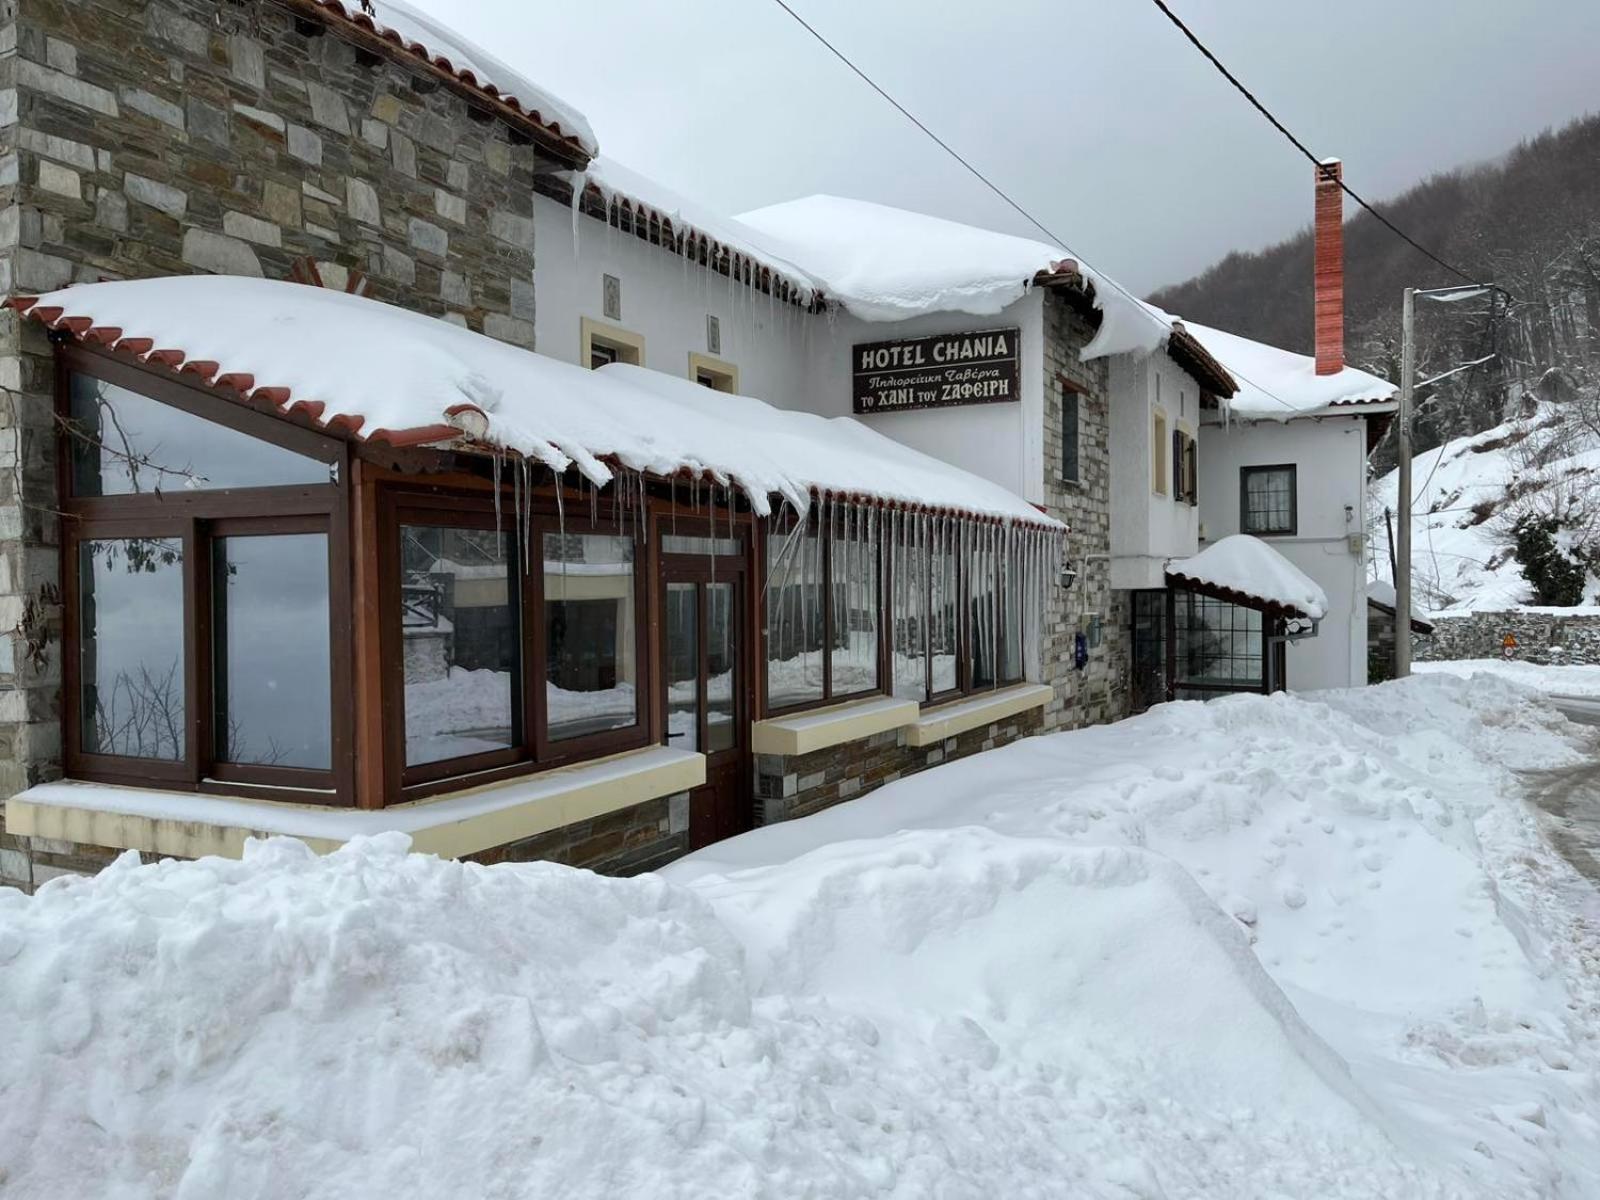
(1328,272)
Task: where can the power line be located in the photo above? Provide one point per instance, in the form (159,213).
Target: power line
(989,183)
(1301,146)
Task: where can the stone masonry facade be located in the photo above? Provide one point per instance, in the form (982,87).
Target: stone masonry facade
(160,137)
(799,785)
(1542,637)
(1097,693)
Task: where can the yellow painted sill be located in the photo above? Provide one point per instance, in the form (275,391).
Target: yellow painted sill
(821,728)
(188,825)
(948,720)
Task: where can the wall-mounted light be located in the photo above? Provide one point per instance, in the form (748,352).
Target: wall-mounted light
(1068,573)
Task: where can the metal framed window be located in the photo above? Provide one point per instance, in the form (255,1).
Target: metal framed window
(1269,500)
(1070,466)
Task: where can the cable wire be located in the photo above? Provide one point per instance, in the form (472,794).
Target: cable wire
(1301,146)
(992,186)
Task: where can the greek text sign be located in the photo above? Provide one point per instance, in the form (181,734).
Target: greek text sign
(936,372)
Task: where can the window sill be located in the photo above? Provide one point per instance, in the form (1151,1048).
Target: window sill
(948,720)
(821,728)
(188,825)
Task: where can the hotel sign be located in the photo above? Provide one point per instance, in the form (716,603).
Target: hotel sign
(939,371)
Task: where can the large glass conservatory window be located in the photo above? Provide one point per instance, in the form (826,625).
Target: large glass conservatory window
(591,667)
(853,628)
(200,598)
(796,620)
(461,642)
(1220,646)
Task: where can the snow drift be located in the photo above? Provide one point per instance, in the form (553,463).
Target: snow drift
(1212,952)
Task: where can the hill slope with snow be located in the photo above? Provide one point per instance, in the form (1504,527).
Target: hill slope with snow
(1465,495)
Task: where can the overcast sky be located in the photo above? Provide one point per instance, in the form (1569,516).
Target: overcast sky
(1096,115)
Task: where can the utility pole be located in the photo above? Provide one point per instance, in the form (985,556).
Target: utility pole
(1402,573)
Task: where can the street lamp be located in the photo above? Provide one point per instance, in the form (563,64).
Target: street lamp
(1408,372)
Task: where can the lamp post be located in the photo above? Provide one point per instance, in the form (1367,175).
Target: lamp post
(1408,373)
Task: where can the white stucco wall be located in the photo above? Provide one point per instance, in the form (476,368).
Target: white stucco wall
(1149,528)
(665,300)
(1330,459)
(785,355)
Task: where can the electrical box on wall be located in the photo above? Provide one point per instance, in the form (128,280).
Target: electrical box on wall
(1358,544)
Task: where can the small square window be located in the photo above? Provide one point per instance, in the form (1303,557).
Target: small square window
(1268,503)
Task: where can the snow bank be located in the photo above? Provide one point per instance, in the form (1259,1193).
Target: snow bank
(397,370)
(1245,564)
(1373,848)
(1563,679)
(414,26)
(1263,947)
(1278,384)
(888,264)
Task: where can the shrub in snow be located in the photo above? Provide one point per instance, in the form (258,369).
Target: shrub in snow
(1556,578)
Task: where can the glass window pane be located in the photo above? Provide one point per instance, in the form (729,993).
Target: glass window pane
(854,653)
(591,673)
(944,630)
(983,605)
(130,646)
(683,543)
(1219,644)
(273,690)
(461,635)
(721,663)
(683,667)
(794,619)
(909,578)
(1011,641)
(123,443)
(1269,499)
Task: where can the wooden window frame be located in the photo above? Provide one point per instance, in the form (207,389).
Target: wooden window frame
(1158,450)
(198,517)
(726,374)
(780,531)
(1070,403)
(1294,499)
(400,504)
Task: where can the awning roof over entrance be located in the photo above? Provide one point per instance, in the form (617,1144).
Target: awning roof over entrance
(1246,571)
(385,374)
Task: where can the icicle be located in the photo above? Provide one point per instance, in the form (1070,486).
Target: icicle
(495,460)
(516,500)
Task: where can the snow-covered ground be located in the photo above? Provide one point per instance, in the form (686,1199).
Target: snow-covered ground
(1563,679)
(1264,947)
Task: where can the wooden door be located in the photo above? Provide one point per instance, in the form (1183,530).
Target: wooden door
(704,643)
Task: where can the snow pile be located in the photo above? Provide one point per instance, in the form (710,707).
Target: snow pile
(415,27)
(615,181)
(1245,564)
(1372,847)
(1277,384)
(1552,679)
(398,370)
(888,264)
(1264,947)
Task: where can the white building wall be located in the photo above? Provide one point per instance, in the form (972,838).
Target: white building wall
(665,300)
(1149,528)
(1330,456)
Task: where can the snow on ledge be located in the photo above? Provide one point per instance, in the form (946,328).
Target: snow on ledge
(188,824)
(1249,567)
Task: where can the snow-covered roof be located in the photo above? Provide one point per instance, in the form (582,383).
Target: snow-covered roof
(386,374)
(1279,384)
(424,37)
(1247,570)
(889,264)
(1380,595)
(613,181)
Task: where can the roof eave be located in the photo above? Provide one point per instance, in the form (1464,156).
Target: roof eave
(1269,608)
(561,147)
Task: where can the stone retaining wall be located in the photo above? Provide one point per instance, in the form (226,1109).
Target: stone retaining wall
(790,786)
(1542,637)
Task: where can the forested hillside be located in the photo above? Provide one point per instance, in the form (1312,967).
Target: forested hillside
(1530,222)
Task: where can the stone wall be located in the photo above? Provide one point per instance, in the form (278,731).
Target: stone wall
(1099,692)
(1542,637)
(790,786)
(627,842)
(142,138)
